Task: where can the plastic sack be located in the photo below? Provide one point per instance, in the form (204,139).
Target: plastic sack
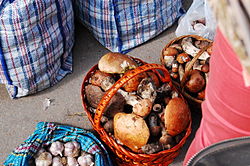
(36,40)
(198,20)
(46,133)
(122,25)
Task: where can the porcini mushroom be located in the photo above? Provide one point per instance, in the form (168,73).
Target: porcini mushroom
(143,107)
(196,82)
(116,63)
(176,116)
(131,130)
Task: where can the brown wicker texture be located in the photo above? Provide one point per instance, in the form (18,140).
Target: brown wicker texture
(123,155)
(180,85)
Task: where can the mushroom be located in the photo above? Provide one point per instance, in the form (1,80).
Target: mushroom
(196,82)
(98,76)
(201,43)
(157,108)
(175,66)
(169,56)
(147,89)
(116,63)
(107,83)
(154,78)
(165,89)
(151,148)
(94,95)
(143,107)
(165,140)
(205,68)
(176,46)
(176,116)
(130,98)
(201,95)
(190,49)
(174,75)
(197,65)
(183,58)
(181,72)
(131,130)
(154,128)
(174,94)
(133,83)
(170,51)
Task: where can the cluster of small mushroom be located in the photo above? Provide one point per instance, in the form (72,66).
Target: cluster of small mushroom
(177,59)
(62,154)
(145,115)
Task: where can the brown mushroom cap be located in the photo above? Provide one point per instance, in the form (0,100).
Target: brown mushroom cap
(116,63)
(176,116)
(131,130)
(143,107)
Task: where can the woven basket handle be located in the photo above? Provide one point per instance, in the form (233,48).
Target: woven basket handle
(190,65)
(129,75)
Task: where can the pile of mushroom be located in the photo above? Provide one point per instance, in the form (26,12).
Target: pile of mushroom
(145,115)
(62,154)
(177,59)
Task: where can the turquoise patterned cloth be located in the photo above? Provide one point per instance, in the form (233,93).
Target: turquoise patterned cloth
(46,133)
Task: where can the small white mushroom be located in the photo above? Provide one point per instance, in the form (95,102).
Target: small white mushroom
(147,90)
(130,98)
(44,159)
(190,49)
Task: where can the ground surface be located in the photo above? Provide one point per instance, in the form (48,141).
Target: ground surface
(18,118)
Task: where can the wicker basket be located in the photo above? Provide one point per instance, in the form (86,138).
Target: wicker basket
(123,155)
(180,84)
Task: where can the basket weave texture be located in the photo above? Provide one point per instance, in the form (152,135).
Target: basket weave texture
(123,155)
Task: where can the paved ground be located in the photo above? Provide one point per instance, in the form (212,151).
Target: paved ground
(18,118)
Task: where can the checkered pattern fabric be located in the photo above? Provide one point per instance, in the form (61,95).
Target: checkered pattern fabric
(121,25)
(46,133)
(36,39)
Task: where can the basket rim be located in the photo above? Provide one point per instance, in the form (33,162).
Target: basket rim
(197,37)
(110,140)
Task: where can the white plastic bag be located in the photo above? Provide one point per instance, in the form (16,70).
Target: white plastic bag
(198,20)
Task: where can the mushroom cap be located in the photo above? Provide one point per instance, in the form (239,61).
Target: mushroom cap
(143,107)
(116,63)
(131,130)
(176,116)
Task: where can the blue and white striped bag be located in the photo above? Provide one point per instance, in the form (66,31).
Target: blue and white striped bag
(36,40)
(123,24)
(46,133)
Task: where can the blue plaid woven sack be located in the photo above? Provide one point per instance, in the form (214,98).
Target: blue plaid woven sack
(46,133)
(123,24)
(36,39)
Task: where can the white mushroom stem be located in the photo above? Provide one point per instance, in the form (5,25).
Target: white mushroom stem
(131,99)
(190,49)
(181,72)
